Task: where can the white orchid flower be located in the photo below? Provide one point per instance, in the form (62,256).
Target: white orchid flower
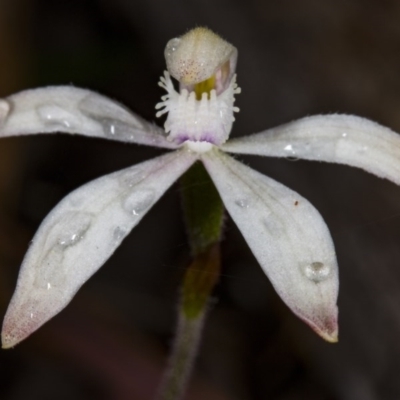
(285,232)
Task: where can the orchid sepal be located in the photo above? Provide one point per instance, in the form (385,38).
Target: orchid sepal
(80,234)
(288,237)
(336,138)
(67,109)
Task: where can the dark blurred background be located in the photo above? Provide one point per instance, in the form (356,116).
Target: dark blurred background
(296,58)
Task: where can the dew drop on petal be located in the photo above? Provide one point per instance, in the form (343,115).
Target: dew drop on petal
(291,152)
(110,126)
(119,234)
(139,201)
(242,203)
(171,47)
(75,230)
(114,118)
(70,239)
(55,116)
(66,233)
(289,149)
(50,271)
(317,271)
(113,127)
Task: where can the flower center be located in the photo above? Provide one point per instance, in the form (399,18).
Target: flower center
(199,115)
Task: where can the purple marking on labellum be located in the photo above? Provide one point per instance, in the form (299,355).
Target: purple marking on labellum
(179,139)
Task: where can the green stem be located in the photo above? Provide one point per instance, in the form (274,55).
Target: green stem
(203,211)
(181,360)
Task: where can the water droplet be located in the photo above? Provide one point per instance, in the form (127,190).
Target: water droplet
(119,234)
(171,47)
(31,315)
(56,116)
(65,233)
(242,203)
(51,269)
(112,127)
(139,201)
(317,271)
(74,229)
(114,117)
(4,109)
(344,134)
(289,148)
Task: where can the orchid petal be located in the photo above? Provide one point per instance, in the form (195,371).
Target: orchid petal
(288,237)
(344,139)
(80,234)
(71,110)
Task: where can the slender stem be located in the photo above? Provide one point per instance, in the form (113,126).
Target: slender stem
(183,354)
(203,212)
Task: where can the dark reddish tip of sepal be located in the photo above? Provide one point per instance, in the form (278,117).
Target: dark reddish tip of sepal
(325,325)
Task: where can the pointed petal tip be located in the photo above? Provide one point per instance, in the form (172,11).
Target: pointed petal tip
(16,328)
(11,335)
(326,327)
(8,342)
(329,335)
(14,336)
